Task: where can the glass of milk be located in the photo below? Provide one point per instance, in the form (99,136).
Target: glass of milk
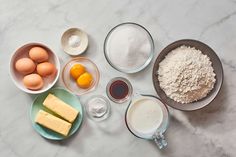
(147,118)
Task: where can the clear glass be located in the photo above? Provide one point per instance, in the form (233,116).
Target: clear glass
(156,136)
(137,69)
(70,82)
(130,88)
(98,108)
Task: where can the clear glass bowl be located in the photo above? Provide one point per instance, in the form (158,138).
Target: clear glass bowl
(130,90)
(70,83)
(98,108)
(135,69)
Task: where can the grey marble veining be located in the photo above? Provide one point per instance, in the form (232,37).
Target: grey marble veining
(203,133)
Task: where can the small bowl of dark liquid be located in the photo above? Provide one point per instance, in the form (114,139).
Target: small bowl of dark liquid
(119,90)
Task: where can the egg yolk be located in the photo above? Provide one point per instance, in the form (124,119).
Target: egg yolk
(77,70)
(85,80)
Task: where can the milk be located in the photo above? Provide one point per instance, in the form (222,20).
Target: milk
(144,116)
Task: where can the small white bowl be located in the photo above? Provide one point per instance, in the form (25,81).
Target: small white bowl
(17,78)
(79,37)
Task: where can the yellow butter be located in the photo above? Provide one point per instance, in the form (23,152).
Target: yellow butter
(61,108)
(53,123)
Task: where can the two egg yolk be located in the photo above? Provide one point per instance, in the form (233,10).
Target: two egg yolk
(83,78)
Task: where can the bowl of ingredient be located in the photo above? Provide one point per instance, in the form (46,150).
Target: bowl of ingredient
(119,90)
(80,75)
(74,41)
(187,75)
(129,47)
(34,68)
(98,108)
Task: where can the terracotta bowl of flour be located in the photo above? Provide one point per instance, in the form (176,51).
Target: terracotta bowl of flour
(216,64)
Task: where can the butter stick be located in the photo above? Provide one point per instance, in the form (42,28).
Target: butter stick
(61,108)
(53,123)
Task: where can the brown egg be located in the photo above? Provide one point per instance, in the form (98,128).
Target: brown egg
(38,54)
(25,66)
(45,69)
(33,81)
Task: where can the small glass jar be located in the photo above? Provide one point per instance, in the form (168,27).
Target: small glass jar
(98,108)
(119,90)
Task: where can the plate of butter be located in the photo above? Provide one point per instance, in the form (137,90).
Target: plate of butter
(56,114)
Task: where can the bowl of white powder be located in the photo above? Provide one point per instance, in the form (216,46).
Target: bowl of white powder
(74,41)
(187,75)
(129,47)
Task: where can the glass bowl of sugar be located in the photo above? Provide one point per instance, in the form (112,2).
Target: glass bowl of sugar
(129,47)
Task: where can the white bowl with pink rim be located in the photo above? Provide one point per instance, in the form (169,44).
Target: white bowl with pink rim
(17,78)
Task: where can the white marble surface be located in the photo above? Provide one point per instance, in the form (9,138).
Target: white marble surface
(207,132)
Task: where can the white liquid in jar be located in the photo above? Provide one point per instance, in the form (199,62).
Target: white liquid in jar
(145,116)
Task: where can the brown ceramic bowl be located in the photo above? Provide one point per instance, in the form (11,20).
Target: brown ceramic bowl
(217,66)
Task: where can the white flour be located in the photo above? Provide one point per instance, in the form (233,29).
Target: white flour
(186,75)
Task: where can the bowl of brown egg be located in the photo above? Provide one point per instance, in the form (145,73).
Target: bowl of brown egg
(34,68)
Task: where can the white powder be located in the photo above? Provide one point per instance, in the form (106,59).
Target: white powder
(129,47)
(186,75)
(97,107)
(74,41)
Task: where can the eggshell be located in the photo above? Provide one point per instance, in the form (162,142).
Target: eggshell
(33,81)
(25,66)
(38,54)
(45,69)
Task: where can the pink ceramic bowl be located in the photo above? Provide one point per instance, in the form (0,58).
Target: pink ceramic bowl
(17,78)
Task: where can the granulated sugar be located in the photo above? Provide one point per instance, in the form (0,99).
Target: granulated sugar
(129,47)
(186,75)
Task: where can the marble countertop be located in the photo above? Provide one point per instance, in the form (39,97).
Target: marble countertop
(210,131)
